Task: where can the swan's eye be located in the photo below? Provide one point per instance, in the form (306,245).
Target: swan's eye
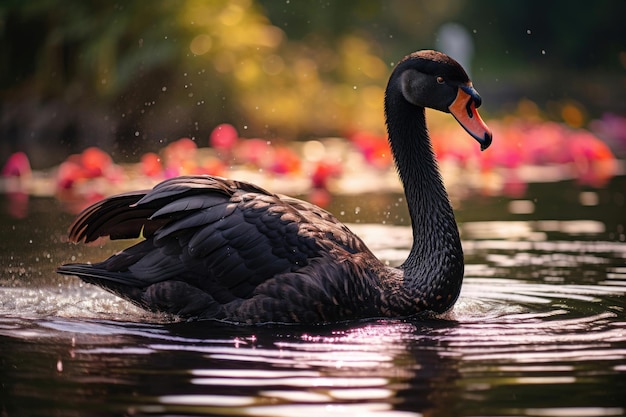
(440,80)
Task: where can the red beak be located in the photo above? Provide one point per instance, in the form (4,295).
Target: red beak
(463,108)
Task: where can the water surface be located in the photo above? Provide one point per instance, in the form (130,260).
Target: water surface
(539,329)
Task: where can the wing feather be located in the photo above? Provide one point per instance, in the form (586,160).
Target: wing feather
(221,235)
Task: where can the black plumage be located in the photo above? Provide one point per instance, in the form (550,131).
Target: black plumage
(221,249)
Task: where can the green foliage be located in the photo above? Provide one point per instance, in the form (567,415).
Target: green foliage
(153,71)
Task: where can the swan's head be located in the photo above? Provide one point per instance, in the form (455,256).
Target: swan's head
(433,79)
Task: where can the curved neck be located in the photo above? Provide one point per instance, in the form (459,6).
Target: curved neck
(435,262)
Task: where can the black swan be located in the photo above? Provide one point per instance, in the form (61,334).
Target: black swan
(228,250)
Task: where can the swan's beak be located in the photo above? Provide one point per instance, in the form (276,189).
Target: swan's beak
(463,108)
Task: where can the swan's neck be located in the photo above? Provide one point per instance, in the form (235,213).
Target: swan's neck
(433,270)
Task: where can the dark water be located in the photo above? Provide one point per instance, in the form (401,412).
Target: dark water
(539,330)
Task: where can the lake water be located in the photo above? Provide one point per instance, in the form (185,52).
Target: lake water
(539,329)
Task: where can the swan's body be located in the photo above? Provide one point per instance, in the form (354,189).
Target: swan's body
(221,249)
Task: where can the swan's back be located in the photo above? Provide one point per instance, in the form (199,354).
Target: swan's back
(212,242)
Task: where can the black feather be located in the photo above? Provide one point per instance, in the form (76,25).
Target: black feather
(230,250)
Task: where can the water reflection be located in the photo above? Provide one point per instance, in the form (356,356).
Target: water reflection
(438,367)
(539,330)
(263,371)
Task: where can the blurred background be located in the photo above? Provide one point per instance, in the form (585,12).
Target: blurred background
(134,76)
(99,97)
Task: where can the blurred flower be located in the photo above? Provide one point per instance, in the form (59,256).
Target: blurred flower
(223,139)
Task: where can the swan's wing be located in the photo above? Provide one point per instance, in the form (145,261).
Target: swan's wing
(129,215)
(222,236)
(111,217)
(334,231)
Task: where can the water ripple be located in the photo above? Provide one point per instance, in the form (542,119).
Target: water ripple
(538,330)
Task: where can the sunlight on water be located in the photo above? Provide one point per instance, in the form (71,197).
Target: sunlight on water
(575,412)
(529,230)
(312,373)
(539,330)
